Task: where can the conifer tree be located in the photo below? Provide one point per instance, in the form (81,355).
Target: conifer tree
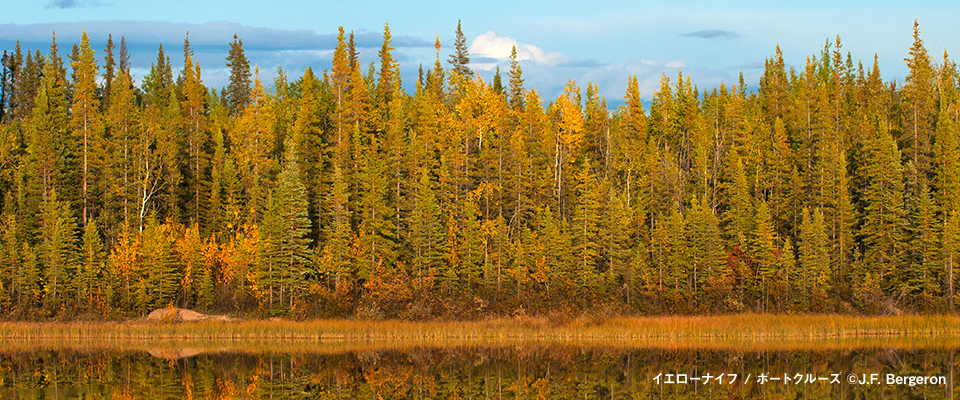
(813,283)
(426,233)
(763,252)
(157,276)
(516,82)
(238,90)
(707,256)
(586,232)
(57,253)
(883,227)
(385,80)
(252,142)
(337,247)
(109,73)
(461,57)
(91,281)
(920,114)
(87,122)
(286,226)
(192,105)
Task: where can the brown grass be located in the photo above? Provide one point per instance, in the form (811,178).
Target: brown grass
(744,332)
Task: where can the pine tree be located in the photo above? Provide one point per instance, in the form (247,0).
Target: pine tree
(290,248)
(87,121)
(109,73)
(883,227)
(158,276)
(91,286)
(122,120)
(339,233)
(57,253)
(461,58)
(813,283)
(426,233)
(707,256)
(192,105)
(252,141)
(238,90)
(919,108)
(385,80)
(516,82)
(586,233)
(763,251)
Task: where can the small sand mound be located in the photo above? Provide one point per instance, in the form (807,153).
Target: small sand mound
(172,314)
(174,354)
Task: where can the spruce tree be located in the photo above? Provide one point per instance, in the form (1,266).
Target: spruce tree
(919,108)
(516,82)
(286,227)
(238,88)
(461,57)
(109,72)
(87,122)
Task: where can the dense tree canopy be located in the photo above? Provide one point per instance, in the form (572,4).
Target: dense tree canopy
(341,194)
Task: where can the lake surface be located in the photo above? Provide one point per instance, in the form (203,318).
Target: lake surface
(477,372)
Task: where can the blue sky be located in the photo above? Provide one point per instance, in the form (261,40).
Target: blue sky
(598,41)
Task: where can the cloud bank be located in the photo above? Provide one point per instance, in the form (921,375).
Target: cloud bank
(67,4)
(268,48)
(713,34)
(492,47)
(296,50)
(548,72)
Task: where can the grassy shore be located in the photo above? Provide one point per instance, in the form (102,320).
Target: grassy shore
(744,331)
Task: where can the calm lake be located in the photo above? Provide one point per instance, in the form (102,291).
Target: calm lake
(476,372)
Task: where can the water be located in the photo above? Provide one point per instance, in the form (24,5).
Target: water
(472,372)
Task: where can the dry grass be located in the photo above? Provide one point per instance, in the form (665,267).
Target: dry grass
(739,332)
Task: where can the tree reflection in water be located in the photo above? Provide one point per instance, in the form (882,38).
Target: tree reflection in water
(551,372)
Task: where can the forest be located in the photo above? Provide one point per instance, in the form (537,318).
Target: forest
(340,194)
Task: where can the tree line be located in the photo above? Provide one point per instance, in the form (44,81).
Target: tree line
(341,194)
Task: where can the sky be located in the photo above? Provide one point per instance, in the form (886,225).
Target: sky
(588,41)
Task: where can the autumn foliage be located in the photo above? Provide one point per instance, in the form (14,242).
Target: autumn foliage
(342,194)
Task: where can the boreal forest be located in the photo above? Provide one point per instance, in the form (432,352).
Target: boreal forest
(341,194)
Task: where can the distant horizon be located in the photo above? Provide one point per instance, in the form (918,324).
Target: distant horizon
(605,44)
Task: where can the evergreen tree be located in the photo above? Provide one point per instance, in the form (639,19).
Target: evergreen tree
(193,108)
(286,226)
(57,254)
(87,122)
(920,114)
(587,233)
(461,58)
(109,73)
(813,282)
(238,90)
(337,250)
(90,283)
(883,227)
(763,251)
(516,82)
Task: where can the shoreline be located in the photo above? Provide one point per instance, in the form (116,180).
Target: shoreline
(741,331)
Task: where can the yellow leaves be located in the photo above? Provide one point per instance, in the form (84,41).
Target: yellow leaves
(481,109)
(126,255)
(569,117)
(240,254)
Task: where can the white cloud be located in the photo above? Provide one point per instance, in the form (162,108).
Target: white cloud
(489,45)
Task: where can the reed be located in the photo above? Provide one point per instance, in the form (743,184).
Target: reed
(729,331)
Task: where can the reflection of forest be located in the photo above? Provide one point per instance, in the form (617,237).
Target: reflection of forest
(467,372)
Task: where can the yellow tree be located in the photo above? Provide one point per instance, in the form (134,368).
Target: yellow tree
(568,125)
(252,141)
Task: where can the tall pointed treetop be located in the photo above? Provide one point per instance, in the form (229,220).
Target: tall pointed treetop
(238,90)
(461,57)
